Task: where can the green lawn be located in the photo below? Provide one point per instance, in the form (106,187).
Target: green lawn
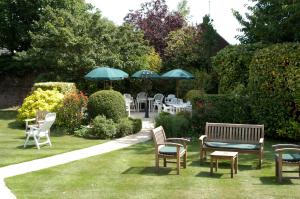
(129,173)
(12,138)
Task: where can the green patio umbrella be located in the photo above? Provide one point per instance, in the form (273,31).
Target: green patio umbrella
(106,73)
(145,75)
(177,74)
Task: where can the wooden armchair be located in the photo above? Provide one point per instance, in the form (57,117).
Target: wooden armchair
(166,149)
(286,154)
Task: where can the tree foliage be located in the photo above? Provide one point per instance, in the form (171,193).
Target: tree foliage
(270,21)
(232,66)
(273,92)
(156,21)
(73,40)
(192,46)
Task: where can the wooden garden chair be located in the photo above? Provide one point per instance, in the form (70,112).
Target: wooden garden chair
(286,155)
(166,149)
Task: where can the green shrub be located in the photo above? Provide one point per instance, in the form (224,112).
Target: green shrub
(83,131)
(192,94)
(232,65)
(174,125)
(137,124)
(62,87)
(71,114)
(107,102)
(103,128)
(49,100)
(219,108)
(274,75)
(124,127)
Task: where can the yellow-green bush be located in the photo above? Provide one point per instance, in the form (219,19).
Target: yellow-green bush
(49,100)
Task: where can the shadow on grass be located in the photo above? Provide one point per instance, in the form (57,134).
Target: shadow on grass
(271,180)
(8,114)
(206,174)
(151,171)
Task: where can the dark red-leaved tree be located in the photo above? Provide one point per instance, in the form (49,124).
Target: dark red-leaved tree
(156,21)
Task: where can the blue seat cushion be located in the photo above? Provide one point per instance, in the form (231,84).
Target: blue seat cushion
(170,150)
(232,145)
(290,157)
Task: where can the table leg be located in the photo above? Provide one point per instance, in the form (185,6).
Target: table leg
(232,165)
(236,164)
(211,165)
(217,164)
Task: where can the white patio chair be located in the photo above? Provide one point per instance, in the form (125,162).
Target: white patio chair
(188,106)
(129,99)
(42,131)
(37,121)
(158,100)
(141,98)
(168,109)
(168,98)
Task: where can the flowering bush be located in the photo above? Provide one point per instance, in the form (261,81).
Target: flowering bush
(71,114)
(49,100)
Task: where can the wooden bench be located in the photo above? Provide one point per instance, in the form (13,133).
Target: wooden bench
(242,138)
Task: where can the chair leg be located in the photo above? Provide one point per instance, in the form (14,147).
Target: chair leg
(178,163)
(184,160)
(36,142)
(48,140)
(26,141)
(279,171)
(165,162)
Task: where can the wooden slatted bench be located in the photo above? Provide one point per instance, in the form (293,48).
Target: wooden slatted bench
(242,138)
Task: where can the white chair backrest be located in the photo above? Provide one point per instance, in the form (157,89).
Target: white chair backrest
(170,96)
(49,120)
(158,97)
(141,95)
(179,101)
(174,100)
(127,96)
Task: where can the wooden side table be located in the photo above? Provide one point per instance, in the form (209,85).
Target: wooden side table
(224,155)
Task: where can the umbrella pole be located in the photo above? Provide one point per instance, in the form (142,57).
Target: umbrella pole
(177,88)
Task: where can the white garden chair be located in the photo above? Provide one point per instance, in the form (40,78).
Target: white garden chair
(129,99)
(42,131)
(141,98)
(37,121)
(158,100)
(169,98)
(168,109)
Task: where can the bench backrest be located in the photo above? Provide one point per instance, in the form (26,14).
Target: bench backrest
(238,133)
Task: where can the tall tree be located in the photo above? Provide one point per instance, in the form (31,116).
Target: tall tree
(270,21)
(183,9)
(156,21)
(193,46)
(69,42)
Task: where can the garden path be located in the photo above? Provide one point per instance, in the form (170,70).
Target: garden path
(34,165)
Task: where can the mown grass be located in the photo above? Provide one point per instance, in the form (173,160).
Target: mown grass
(12,138)
(130,173)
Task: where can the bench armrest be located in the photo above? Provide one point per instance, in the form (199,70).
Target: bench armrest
(202,137)
(261,141)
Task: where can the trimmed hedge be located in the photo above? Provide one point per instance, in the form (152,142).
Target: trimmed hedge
(219,108)
(232,66)
(137,124)
(175,125)
(107,102)
(62,87)
(103,127)
(274,75)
